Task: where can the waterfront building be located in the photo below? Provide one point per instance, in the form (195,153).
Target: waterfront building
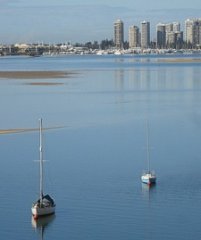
(169,27)
(189,31)
(171,39)
(197,32)
(169,35)
(145,34)
(119,34)
(179,39)
(134,37)
(193,32)
(176,27)
(161,35)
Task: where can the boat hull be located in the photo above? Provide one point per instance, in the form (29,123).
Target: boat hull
(148,179)
(38,211)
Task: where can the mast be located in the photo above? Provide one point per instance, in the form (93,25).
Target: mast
(148,148)
(41,161)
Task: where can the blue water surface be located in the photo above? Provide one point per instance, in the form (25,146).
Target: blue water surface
(96,149)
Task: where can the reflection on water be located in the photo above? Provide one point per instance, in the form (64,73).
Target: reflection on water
(119,79)
(42,224)
(157,79)
(148,191)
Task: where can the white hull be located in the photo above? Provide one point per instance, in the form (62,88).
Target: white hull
(148,178)
(38,211)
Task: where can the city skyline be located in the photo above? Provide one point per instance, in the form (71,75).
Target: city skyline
(62,21)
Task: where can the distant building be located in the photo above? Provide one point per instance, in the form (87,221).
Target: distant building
(171,39)
(134,37)
(189,31)
(161,35)
(169,27)
(169,35)
(193,32)
(174,39)
(145,34)
(119,34)
(176,27)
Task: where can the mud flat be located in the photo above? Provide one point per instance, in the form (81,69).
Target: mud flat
(180,60)
(34,74)
(23,130)
(10,131)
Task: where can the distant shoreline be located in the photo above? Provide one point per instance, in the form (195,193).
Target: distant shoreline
(34,74)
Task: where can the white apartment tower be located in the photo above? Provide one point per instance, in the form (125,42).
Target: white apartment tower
(119,34)
(189,30)
(133,36)
(176,27)
(145,34)
(193,31)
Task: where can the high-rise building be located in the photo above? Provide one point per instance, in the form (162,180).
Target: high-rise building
(176,27)
(169,27)
(145,34)
(169,35)
(193,31)
(189,31)
(161,35)
(134,36)
(197,32)
(119,33)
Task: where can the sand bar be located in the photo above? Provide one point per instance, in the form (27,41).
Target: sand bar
(180,60)
(34,74)
(22,130)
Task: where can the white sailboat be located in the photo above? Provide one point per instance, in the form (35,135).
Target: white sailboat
(45,205)
(148,176)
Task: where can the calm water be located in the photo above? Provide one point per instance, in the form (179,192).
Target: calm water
(97,157)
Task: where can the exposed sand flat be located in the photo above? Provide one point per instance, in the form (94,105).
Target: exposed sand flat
(44,83)
(179,60)
(34,74)
(21,130)
(8,131)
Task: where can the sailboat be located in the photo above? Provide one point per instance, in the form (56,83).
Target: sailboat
(45,205)
(148,176)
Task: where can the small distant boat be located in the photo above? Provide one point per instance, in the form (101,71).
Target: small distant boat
(45,205)
(148,176)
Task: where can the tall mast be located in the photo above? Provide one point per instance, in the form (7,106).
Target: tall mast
(41,161)
(148,148)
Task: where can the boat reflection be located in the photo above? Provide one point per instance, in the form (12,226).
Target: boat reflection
(41,224)
(148,190)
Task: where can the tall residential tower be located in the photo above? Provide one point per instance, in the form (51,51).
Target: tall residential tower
(119,34)
(193,31)
(134,37)
(145,34)
(161,35)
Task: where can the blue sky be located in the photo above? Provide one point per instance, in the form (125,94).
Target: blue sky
(54,21)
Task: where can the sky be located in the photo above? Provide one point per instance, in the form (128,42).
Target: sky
(61,21)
